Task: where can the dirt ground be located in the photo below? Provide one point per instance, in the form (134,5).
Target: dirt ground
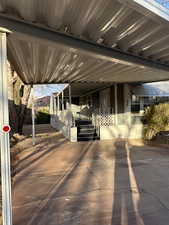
(89,183)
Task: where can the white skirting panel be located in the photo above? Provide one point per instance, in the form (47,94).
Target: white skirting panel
(121,131)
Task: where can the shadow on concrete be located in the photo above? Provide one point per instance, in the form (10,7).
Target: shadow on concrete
(106,183)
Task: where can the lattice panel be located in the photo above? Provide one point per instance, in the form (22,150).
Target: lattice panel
(106,119)
(103,117)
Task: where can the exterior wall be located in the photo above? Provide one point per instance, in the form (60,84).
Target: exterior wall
(121,96)
(124,126)
(115,105)
(110,111)
(105,99)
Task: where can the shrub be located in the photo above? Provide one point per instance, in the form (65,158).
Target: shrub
(42,115)
(156,118)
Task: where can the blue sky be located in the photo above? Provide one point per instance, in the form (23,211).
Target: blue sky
(163,2)
(47,90)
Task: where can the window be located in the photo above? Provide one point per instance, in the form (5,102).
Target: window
(135,104)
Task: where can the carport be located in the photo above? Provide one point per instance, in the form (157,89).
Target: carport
(74,42)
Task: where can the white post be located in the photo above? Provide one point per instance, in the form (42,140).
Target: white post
(4,137)
(141,105)
(70,98)
(127,104)
(62,113)
(62,101)
(33,118)
(51,110)
(54,106)
(116,104)
(70,109)
(58,103)
(51,106)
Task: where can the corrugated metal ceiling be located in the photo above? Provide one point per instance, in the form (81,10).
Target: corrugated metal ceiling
(109,22)
(48,65)
(82,89)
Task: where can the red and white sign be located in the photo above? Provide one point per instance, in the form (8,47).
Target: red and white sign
(6,128)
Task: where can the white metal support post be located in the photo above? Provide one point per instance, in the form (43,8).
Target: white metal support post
(63,115)
(141,105)
(51,110)
(70,110)
(51,105)
(128,104)
(70,97)
(58,103)
(4,137)
(33,118)
(116,104)
(62,100)
(54,105)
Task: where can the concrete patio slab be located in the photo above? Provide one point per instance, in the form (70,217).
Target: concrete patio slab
(95,183)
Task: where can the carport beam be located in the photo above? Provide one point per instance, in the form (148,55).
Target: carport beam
(4,137)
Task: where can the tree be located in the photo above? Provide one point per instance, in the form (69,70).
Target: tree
(156,119)
(18,95)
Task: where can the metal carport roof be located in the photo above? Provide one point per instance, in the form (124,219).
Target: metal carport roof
(158,89)
(118,41)
(86,88)
(54,41)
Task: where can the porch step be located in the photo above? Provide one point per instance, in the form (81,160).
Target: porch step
(87,138)
(93,134)
(86,127)
(86,131)
(83,122)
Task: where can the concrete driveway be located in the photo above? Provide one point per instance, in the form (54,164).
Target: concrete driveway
(90,183)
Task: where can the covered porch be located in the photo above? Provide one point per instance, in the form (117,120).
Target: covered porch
(95,111)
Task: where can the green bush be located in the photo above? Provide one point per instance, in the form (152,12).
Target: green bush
(42,115)
(156,119)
